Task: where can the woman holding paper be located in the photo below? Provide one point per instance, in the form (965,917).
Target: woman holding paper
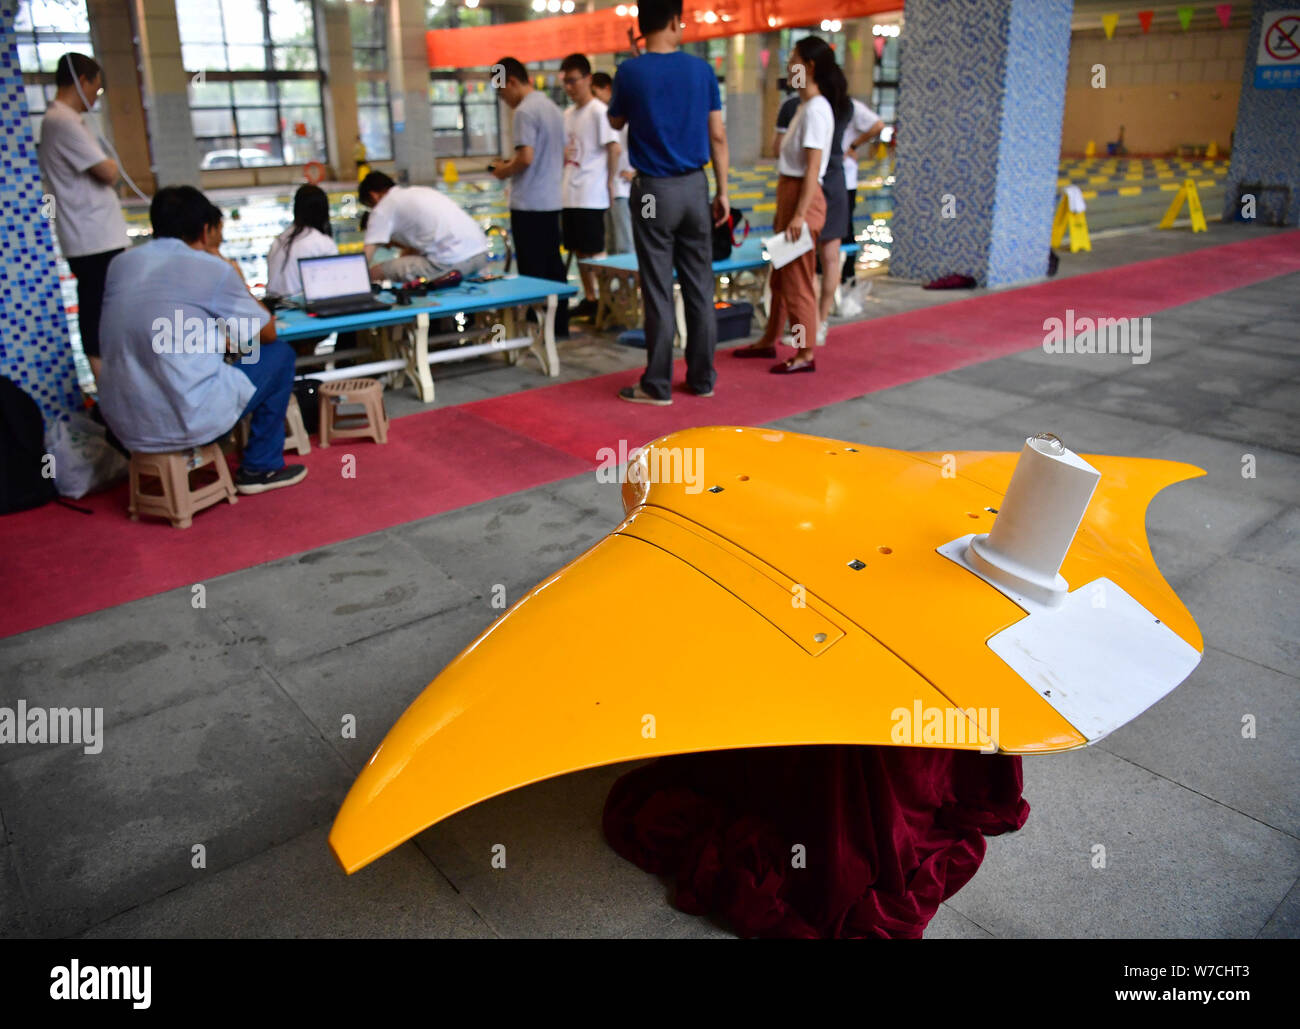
(801,206)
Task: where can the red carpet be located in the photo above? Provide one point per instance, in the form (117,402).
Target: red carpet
(64,564)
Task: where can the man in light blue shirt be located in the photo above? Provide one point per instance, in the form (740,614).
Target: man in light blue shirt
(172,309)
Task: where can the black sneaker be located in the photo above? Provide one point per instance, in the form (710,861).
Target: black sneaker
(260,482)
(636,395)
(586,309)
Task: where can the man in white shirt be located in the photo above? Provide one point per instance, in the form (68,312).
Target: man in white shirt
(863,126)
(433,233)
(618,221)
(87,213)
(590,170)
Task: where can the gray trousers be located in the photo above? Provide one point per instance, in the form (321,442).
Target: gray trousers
(404,269)
(672,227)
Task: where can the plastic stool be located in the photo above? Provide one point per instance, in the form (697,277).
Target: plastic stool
(295,431)
(177,499)
(372,422)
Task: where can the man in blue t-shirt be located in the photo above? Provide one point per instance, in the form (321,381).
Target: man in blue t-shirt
(672,108)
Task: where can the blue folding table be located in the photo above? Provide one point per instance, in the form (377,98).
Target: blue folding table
(405,346)
(618,283)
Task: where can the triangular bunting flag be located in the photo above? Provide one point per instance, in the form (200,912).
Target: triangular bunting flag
(1108,23)
(740,60)
(1144,18)
(763,57)
(1224,11)
(855,48)
(1185,16)
(879,43)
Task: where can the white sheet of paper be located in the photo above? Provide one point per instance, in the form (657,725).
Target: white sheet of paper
(783,251)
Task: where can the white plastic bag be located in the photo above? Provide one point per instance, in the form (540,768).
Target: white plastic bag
(851,297)
(84,460)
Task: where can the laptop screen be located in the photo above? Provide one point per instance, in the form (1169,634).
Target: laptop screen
(324,278)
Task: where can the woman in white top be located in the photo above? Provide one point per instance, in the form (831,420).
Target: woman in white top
(308,236)
(805,153)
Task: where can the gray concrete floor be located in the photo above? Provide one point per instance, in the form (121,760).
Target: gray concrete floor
(222,724)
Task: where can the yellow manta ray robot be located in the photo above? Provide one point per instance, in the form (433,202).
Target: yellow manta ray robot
(797,590)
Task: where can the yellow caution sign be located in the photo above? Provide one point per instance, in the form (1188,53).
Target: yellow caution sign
(449,173)
(1186,192)
(1090,150)
(1075,221)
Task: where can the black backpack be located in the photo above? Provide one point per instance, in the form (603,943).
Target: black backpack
(22,452)
(724,236)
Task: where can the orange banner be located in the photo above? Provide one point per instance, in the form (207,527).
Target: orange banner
(606,31)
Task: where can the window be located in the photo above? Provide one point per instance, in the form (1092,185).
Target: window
(370,59)
(46,30)
(884,95)
(254,89)
(449,14)
(464,107)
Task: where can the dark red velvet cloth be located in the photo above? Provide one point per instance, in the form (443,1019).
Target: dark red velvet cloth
(888,833)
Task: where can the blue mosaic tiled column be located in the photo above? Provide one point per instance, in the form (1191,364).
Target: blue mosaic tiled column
(34,348)
(980,101)
(1266,146)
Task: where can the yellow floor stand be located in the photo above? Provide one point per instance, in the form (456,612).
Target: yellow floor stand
(1076,222)
(1186,192)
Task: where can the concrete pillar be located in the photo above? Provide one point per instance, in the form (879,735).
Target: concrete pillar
(772,95)
(981,95)
(408,85)
(176,153)
(859,60)
(339,98)
(34,350)
(1266,146)
(744,101)
(112,33)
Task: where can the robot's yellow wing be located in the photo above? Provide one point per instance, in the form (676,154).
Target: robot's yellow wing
(765,589)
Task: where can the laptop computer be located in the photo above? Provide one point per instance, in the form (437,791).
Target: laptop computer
(336,285)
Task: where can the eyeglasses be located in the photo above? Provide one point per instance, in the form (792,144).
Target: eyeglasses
(570,80)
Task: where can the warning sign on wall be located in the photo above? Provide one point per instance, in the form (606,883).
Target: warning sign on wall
(1277,64)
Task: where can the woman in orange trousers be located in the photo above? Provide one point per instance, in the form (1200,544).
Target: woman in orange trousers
(805,153)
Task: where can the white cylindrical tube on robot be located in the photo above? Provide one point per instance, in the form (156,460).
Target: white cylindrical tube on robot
(1044,504)
(1037,521)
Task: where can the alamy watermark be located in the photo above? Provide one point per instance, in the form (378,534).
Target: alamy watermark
(945,726)
(74,981)
(656,464)
(193,335)
(1071,335)
(83,726)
